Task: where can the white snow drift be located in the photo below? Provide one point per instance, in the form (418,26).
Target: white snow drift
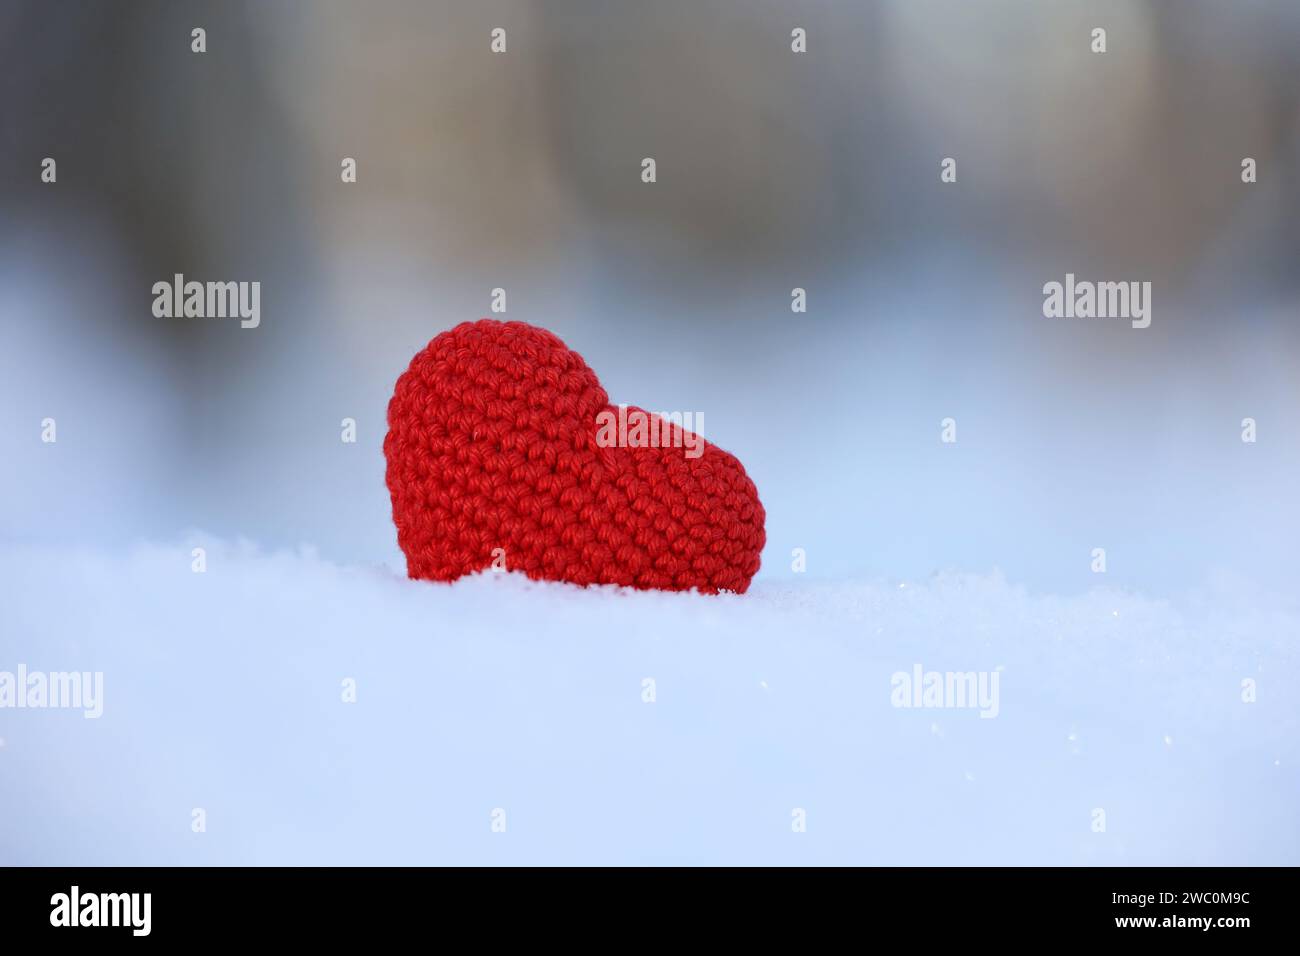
(280,709)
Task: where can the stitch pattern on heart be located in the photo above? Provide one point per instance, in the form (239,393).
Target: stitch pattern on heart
(492,445)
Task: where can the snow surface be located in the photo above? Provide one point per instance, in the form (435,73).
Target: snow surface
(223,692)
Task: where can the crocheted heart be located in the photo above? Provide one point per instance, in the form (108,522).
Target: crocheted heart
(494,460)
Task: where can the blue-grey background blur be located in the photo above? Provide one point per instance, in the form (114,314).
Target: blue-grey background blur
(775,170)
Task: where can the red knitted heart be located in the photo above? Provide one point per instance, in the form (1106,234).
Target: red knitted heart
(492,444)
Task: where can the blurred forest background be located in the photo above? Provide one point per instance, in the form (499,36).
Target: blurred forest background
(775,170)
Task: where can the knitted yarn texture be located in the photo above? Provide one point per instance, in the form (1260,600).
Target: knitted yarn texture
(493,461)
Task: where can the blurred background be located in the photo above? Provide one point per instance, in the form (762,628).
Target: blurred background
(775,170)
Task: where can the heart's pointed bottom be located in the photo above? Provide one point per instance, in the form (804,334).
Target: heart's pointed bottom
(494,463)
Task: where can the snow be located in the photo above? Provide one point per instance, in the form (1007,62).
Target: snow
(223,691)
